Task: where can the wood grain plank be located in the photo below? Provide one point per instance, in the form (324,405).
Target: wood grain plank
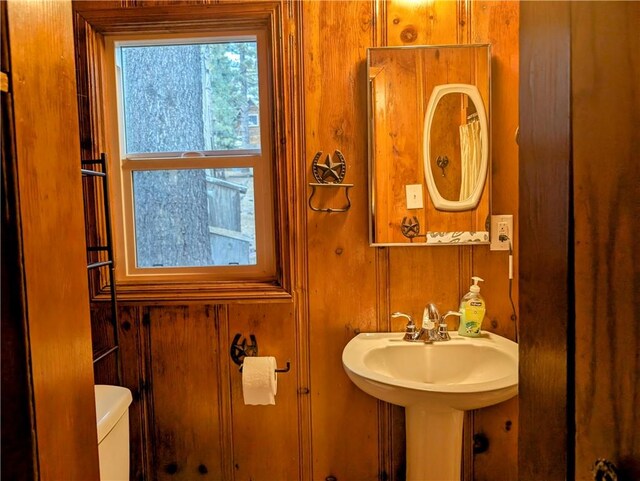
(605,63)
(184,376)
(48,161)
(265,438)
(344,419)
(544,236)
(421,23)
(134,361)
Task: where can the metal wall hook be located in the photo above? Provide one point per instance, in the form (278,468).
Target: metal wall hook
(604,470)
(240,349)
(410,228)
(442,162)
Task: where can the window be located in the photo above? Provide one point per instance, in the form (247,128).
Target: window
(195,108)
(192,143)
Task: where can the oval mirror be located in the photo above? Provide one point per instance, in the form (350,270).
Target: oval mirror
(455,147)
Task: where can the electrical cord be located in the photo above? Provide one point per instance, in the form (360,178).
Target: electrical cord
(514,317)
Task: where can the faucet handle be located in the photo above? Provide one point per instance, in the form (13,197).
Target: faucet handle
(451,313)
(410,328)
(443,329)
(402,314)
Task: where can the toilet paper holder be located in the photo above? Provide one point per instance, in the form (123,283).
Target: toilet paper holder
(240,349)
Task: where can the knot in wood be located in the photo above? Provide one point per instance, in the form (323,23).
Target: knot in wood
(409,34)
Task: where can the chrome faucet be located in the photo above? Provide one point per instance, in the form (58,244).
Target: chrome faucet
(434,328)
(430,330)
(431,323)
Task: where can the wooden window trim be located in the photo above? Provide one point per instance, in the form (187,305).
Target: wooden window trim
(92,29)
(123,166)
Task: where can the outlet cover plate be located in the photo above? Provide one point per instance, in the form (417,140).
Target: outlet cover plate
(501,224)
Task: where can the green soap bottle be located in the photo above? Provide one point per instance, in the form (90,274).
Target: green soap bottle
(472,308)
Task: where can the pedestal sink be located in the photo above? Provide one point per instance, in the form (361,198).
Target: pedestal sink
(435,383)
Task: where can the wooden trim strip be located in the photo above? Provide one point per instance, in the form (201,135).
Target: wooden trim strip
(299,254)
(225,413)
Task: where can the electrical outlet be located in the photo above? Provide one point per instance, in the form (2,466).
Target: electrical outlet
(501,232)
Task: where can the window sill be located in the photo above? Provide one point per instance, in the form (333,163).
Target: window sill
(218,292)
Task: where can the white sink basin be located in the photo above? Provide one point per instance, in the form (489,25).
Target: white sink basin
(464,373)
(436,383)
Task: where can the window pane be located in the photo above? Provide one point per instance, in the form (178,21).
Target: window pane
(194,217)
(194,97)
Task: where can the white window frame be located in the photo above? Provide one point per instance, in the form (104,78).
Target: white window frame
(123,166)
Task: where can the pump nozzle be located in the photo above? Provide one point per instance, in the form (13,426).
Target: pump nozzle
(475,287)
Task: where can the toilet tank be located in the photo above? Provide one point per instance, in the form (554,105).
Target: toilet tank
(112,414)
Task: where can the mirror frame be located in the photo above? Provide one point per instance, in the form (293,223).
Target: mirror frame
(473,93)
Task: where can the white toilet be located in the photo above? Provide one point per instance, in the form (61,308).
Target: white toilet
(112,413)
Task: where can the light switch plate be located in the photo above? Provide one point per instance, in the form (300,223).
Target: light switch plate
(414,196)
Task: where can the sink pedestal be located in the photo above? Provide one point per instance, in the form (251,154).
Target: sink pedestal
(434,443)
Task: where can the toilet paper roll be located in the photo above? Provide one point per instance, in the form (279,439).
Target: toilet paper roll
(259,380)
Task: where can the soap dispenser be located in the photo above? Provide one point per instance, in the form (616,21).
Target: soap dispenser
(472,309)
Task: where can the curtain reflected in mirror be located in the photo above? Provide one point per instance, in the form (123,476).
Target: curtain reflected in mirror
(470,158)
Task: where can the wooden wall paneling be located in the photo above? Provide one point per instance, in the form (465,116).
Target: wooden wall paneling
(102,335)
(297,179)
(134,362)
(497,23)
(420,23)
(391,449)
(605,65)
(224,390)
(184,377)
(265,438)
(544,238)
(341,266)
(499,425)
(48,161)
